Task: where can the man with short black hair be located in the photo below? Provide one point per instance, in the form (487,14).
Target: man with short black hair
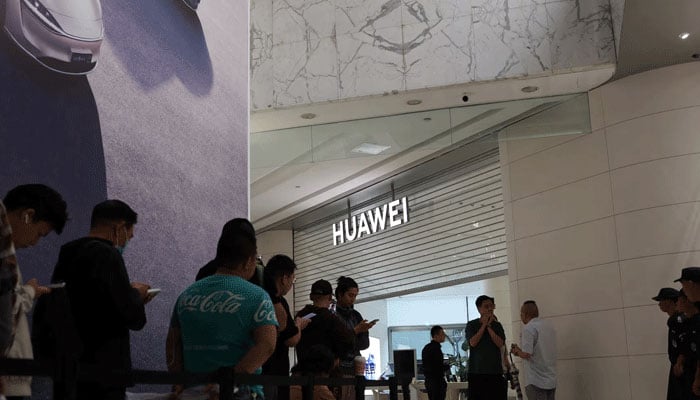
(104,304)
(27,214)
(223,320)
(539,353)
(434,366)
(486,338)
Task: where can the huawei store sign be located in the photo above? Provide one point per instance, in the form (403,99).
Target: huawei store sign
(371,221)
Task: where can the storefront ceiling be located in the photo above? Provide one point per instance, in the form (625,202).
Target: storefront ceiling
(295,171)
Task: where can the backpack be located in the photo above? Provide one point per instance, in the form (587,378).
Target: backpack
(54,333)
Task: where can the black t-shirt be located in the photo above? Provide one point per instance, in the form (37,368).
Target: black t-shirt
(325,329)
(433,365)
(278,363)
(485,357)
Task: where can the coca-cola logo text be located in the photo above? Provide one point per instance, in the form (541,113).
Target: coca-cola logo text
(222,301)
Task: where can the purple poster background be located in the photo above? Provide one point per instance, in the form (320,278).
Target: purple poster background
(161,123)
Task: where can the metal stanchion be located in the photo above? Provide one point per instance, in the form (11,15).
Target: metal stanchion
(307,391)
(226,383)
(359,387)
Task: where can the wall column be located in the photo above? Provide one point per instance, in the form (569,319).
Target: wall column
(597,223)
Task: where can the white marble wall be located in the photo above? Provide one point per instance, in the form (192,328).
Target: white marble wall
(305,51)
(597,223)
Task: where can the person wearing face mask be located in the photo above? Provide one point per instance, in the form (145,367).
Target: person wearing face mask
(27,214)
(104,304)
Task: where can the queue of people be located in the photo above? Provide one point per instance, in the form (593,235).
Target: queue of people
(227,317)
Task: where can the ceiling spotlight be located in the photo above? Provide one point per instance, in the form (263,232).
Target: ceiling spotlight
(308,116)
(414,102)
(684,35)
(529,89)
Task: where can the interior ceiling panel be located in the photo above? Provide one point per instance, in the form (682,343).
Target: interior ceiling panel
(652,32)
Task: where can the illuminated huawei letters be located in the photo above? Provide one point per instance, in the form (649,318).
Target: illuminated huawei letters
(371,221)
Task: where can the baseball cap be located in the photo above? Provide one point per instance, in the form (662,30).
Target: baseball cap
(321,286)
(666,293)
(689,274)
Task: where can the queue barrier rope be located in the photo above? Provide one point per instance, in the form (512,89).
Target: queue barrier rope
(67,372)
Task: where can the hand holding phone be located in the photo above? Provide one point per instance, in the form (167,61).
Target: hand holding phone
(374,321)
(309,316)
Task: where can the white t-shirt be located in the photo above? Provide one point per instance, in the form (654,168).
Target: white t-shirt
(540,340)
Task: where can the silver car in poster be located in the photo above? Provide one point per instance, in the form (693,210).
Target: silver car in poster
(63,35)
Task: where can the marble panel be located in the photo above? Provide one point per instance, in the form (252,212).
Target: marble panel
(261,61)
(581,33)
(511,42)
(261,86)
(368,16)
(261,16)
(617,8)
(305,72)
(371,63)
(441,45)
(301,20)
(414,11)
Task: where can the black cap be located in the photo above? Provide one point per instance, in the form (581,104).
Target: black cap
(666,293)
(690,274)
(321,286)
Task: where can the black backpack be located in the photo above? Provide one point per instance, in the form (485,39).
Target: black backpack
(54,333)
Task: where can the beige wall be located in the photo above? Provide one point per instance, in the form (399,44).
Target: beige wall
(597,223)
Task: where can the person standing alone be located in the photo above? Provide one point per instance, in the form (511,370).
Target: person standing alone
(486,337)
(433,365)
(539,354)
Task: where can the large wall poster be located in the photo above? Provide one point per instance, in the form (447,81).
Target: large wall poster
(159,122)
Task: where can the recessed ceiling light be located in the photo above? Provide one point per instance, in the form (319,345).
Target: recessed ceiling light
(529,89)
(308,116)
(684,35)
(370,148)
(414,102)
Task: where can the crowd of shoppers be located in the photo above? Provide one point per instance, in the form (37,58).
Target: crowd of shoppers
(235,315)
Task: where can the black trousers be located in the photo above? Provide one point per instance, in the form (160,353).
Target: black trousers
(487,387)
(675,387)
(436,388)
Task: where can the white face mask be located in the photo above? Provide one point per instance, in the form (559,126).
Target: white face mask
(121,248)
